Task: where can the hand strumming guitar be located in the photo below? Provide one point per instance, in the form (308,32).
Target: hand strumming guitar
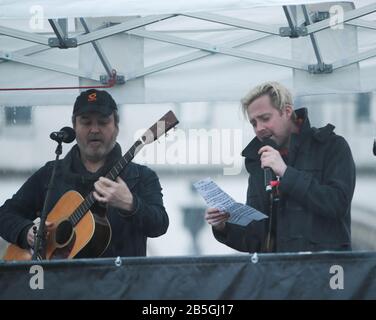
(30,233)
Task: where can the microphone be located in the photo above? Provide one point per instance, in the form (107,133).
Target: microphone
(65,134)
(269,175)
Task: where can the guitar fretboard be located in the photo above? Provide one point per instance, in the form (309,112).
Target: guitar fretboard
(89,201)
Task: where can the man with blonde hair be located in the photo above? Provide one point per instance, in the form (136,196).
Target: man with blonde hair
(308,203)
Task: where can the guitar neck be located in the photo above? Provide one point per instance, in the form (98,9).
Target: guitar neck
(123,162)
(89,201)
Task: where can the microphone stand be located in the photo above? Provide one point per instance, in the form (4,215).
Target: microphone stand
(270,202)
(40,238)
(273,199)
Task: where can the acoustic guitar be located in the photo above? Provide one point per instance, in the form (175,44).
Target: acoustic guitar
(78,231)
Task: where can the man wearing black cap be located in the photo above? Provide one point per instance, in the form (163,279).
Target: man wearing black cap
(134,201)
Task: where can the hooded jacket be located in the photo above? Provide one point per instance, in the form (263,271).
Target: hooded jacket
(316,190)
(129,229)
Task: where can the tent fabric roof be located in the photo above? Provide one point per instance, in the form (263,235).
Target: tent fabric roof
(179,51)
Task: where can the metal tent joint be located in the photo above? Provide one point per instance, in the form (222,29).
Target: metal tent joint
(62,40)
(320,68)
(66,43)
(294,32)
(318,16)
(113,79)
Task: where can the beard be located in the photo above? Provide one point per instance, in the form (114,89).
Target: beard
(96,151)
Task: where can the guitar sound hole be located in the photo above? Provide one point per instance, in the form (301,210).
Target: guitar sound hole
(64,232)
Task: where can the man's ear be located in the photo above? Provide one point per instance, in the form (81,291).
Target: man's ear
(289,111)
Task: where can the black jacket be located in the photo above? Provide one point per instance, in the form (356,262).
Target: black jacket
(129,229)
(316,192)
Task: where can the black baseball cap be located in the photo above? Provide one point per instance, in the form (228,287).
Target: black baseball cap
(94,101)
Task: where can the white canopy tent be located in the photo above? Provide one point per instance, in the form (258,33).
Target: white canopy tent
(179,51)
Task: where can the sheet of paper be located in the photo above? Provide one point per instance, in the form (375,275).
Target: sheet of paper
(215,197)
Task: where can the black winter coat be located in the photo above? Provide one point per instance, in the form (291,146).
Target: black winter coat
(129,229)
(316,192)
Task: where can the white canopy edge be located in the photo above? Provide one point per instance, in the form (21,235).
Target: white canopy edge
(15,9)
(185,58)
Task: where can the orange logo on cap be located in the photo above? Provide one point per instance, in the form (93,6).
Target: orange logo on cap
(92,97)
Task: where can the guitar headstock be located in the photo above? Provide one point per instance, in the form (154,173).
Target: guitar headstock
(163,125)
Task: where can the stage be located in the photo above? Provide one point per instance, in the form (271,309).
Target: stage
(326,275)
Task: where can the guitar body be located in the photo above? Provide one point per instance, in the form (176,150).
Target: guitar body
(87,239)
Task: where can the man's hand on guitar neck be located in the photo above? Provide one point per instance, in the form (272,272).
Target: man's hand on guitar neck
(113,193)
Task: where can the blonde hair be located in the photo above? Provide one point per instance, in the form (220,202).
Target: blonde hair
(279,95)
